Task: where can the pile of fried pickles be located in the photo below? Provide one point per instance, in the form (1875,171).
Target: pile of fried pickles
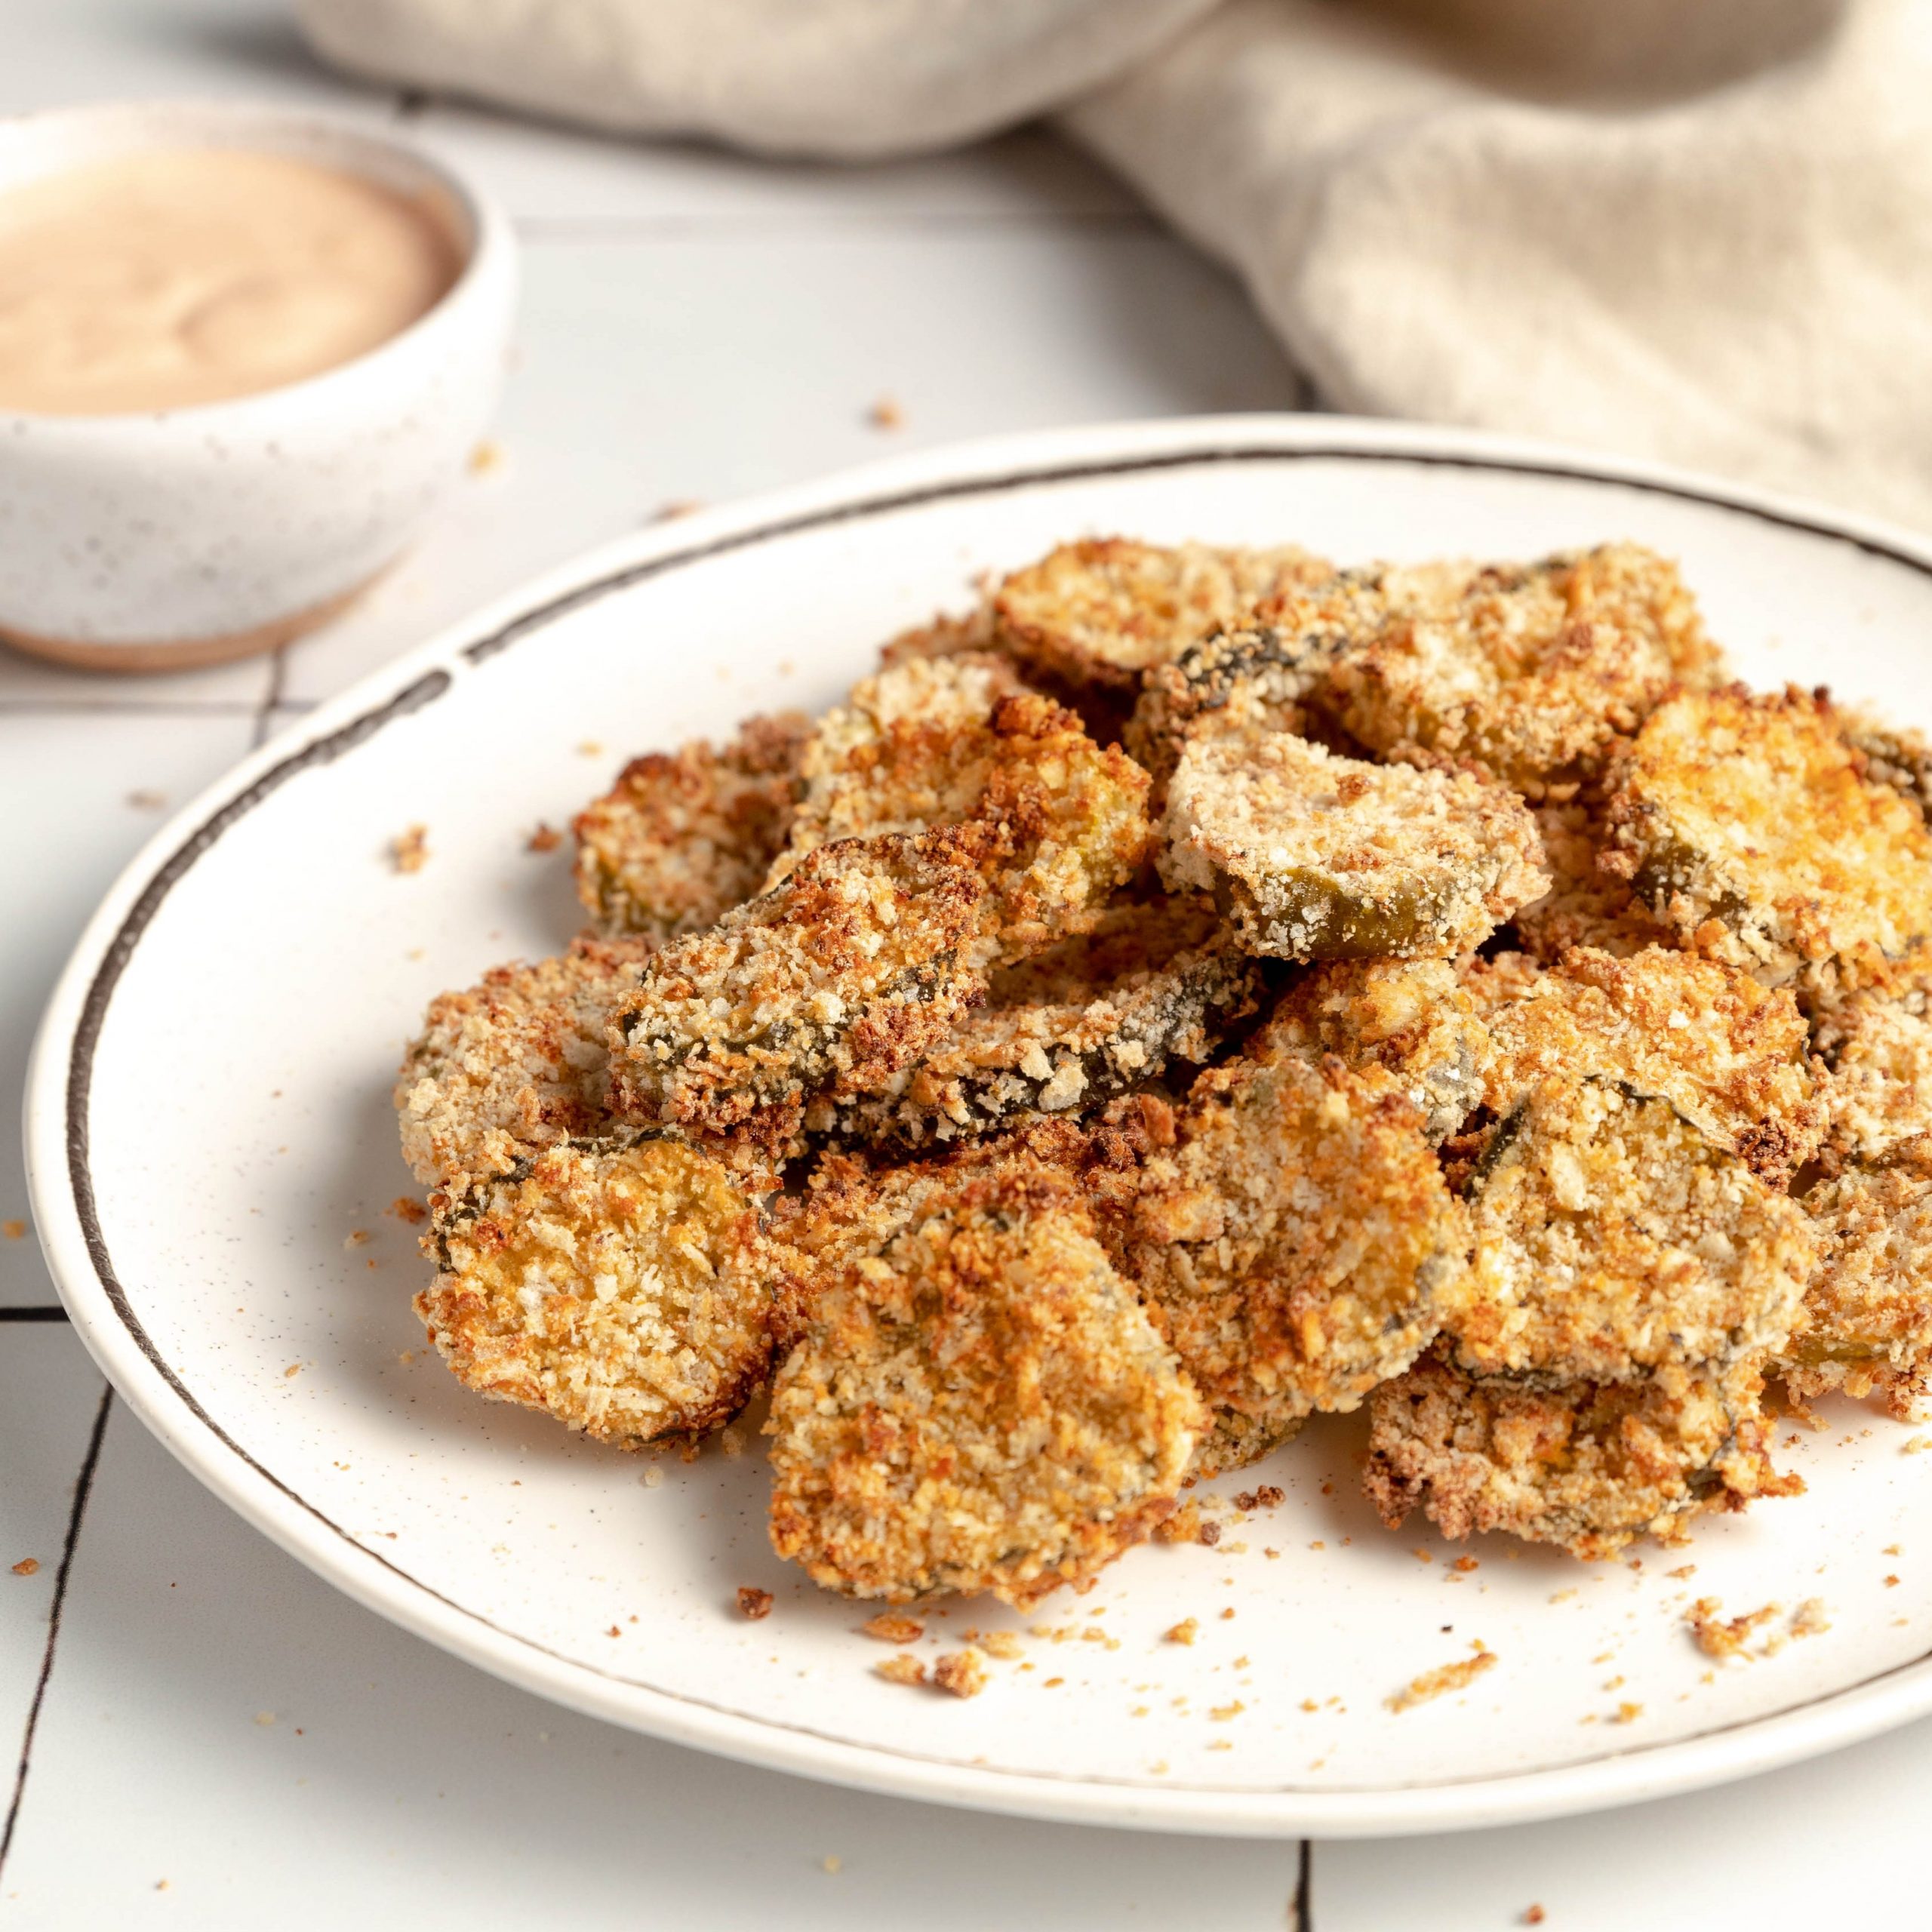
(1196,989)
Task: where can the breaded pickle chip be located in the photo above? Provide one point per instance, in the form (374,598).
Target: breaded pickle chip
(1298,1243)
(515,1064)
(1586,905)
(1102,611)
(912,747)
(1748,826)
(978,1402)
(1413,1019)
(683,836)
(1093,1016)
(1892,756)
(623,1286)
(1730,1056)
(1524,668)
(1867,1322)
(1315,857)
(848,971)
(1590,1466)
(1612,1237)
(1877,1043)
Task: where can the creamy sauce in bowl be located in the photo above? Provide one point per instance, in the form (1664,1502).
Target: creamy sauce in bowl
(177,277)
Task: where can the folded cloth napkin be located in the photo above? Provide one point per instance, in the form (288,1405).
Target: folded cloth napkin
(1695,229)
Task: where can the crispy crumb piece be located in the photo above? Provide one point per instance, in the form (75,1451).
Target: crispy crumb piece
(1722,1636)
(1682,1571)
(545,838)
(14,1230)
(674,507)
(1809,1619)
(1211,1534)
(1438,1682)
(1004,1644)
(410,852)
(356,1237)
(28,1566)
(1533,1915)
(408,1209)
(891,1627)
(753,1602)
(1464,1564)
(1183,1526)
(1627,1712)
(148,801)
(1183,1632)
(293,1368)
(1220,1713)
(886,413)
(904,1668)
(962,1672)
(486,457)
(1916,1445)
(1891,1582)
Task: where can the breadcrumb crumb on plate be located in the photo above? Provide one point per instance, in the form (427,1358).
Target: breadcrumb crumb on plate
(1315,857)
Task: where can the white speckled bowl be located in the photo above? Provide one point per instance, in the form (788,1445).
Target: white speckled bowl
(190,535)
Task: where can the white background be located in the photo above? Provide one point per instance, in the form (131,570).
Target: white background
(215,1738)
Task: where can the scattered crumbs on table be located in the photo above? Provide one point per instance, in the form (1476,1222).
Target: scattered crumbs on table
(15,1230)
(486,457)
(1719,1636)
(1463,1565)
(28,1566)
(545,838)
(904,1668)
(1327,1489)
(1227,1613)
(753,1602)
(1682,1571)
(886,413)
(293,1368)
(407,1208)
(1894,1549)
(831,1861)
(1272,1555)
(1310,1704)
(674,507)
(1317,1544)
(652,1477)
(615,1630)
(1183,1632)
(356,1237)
(1422,1556)
(731,1440)
(1533,1915)
(145,800)
(1627,1712)
(1891,1582)
(1809,1619)
(1051,1683)
(962,1673)
(1916,1445)
(1220,1744)
(1159,1768)
(265,1718)
(1004,1644)
(410,852)
(1220,1713)
(1445,1678)
(893,1626)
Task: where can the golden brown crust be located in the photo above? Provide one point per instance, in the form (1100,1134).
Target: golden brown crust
(1586,905)
(1876,1041)
(978,1402)
(1102,611)
(1748,826)
(624,1287)
(1590,1466)
(1611,1238)
(1315,857)
(1299,1243)
(683,836)
(515,1064)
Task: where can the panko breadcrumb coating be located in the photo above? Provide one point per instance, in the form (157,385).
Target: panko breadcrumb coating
(1748,825)
(1733,1057)
(1867,1321)
(1415,1019)
(1527,670)
(683,836)
(1157,983)
(1877,1043)
(1611,1237)
(1586,905)
(1102,611)
(911,747)
(623,1286)
(1300,1244)
(515,1064)
(1320,857)
(1590,1466)
(978,1402)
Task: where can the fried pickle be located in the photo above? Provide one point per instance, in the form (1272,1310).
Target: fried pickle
(1299,1243)
(978,1401)
(1748,826)
(1867,1321)
(1315,857)
(623,1286)
(1612,1237)
(1590,1466)
(1585,905)
(683,836)
(1876,1042)
(515,1064)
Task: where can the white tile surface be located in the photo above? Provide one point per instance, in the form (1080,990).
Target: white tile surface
(705,367)
(395,1785)
(67,828)
(50,1394)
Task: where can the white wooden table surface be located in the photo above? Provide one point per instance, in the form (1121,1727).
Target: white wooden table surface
(209,1736)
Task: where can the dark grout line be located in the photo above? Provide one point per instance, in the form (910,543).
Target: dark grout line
(1301,1907)
(42,1313)
(83,1487)
(540,228)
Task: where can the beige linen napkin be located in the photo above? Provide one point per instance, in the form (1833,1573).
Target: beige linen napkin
(1695,229)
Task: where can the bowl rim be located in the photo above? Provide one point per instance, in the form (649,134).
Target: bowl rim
(490,242)
(60,1186)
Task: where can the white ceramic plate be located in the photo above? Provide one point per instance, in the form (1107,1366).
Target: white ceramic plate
(209,1124)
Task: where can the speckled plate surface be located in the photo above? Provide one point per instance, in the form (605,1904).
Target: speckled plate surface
(213,1154)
